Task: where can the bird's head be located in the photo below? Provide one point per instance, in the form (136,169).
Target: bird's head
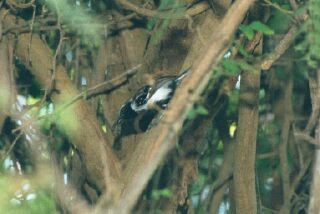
(140,100)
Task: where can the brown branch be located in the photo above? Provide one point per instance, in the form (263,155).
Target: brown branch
(109,85)
(159,141)
(267,155)
(245,150)
(50,24)
(314,203)
(283,45)
(225,172)
(186,173)
(283,148)
(77,121)
(6,86)
(280,49)
(314,87)
(196,9)
(295,183)
(294,4)
(302,136)
(103,87)
(57,51)
(244,174)
(12,3)
(192,140)
(278,7)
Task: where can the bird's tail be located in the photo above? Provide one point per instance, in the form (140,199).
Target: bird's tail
(183,75)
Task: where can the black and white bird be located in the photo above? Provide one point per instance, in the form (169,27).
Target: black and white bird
(137,113)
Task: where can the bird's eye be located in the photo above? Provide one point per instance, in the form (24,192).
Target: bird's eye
(141,100)
(145,90)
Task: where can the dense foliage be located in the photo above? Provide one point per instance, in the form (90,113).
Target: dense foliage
(109,49)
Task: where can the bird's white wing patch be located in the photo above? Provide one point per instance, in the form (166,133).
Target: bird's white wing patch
(160,94)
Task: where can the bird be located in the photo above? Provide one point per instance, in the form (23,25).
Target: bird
(137,113)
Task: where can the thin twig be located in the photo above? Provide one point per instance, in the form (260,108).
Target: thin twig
(93,90)
(54,61)
(198,8)
(46,24)
(278,7)
(11,147)
(31,30)
(84,94)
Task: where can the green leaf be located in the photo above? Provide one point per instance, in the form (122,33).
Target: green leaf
(247,31)
(231,66)
(192,114)
(243,52)
(164,193)
(202,110)
(259,26)
(199,110)
(279,22)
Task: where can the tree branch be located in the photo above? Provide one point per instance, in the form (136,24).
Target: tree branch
(159,141)
(77,121)
(283,45)
(283,148)
(314,203)
(196,9)
(6,86)
(245,151)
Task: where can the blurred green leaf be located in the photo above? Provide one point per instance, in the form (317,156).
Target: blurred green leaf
(162,193)
(198,110)
(231,66)
(279,22)
(201,110)
(261,27)
(247,31)
(79,20)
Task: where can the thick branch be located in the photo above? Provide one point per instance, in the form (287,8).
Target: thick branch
(151,152)
(244,185)
(77,121)
(283,148)
(314,203)
(244,169)
(6,89)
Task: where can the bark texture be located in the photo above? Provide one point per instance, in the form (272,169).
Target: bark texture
(77,120)
(245,149)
